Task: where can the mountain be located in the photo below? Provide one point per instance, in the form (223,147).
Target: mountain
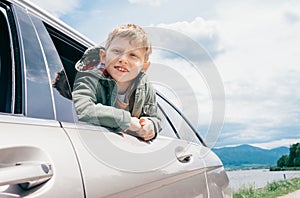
(246,156)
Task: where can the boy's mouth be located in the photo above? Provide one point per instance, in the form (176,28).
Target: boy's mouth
(121,69)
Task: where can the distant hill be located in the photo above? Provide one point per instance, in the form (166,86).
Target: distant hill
(246,156)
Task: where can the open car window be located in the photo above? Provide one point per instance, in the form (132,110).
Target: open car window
(180,127)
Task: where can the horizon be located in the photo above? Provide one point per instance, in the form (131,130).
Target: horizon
(267,145)
(257,146)
(254,47)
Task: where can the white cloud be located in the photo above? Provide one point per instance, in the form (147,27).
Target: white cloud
(181,79)
(291,12)
(270,104)
(292,17)
(277,143)
(260,69)
(185,42)
(148,2)
(198,28)
(57,7)
(204,32)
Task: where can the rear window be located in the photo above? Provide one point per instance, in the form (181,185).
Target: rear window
(8,93)
(61,64)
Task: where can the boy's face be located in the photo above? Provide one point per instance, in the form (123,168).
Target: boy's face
(124,60)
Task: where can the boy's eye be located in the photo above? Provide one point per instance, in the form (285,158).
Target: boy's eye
(133,55)
(116,51)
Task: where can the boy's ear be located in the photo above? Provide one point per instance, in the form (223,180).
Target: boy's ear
(146,66)
(102,56)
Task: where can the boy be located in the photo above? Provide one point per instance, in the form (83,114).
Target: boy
(117,94)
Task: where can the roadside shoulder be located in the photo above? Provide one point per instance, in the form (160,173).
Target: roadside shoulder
(295,194)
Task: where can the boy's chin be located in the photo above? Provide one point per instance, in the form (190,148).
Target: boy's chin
(118,78)
(123,80)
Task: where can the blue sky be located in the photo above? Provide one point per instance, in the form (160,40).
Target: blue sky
(253,44)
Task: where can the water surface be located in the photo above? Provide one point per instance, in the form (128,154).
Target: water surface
(257,178)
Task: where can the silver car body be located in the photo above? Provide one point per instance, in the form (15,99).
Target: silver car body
(46,152)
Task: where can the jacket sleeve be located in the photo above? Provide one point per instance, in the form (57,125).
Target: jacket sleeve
(150,108)
(89,108)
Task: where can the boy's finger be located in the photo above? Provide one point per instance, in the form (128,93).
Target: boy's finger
(142,122)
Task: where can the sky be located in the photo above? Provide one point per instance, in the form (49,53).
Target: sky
(252,44)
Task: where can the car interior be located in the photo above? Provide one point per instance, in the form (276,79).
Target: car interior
(69,53)
(5,69)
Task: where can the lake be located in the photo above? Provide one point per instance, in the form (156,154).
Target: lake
(257,178)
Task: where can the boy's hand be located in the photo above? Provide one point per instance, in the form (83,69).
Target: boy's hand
(147,129)
(134,124)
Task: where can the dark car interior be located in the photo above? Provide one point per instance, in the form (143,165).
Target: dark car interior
(69,53)
(5,67)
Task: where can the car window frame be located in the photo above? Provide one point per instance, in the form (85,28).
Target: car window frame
(25,30)
(49,37)
(181,115)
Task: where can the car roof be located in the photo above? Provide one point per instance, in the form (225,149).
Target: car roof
(52,21)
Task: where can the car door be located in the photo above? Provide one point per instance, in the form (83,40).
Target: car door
(120,165)
(216,181)
(36,156)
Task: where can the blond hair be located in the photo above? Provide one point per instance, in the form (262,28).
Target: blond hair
(134,33)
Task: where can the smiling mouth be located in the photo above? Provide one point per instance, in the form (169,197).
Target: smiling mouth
(121,69)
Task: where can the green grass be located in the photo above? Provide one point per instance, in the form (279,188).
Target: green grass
(271,190)
(284,169)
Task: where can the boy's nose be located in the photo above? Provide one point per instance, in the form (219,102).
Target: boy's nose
(123,59)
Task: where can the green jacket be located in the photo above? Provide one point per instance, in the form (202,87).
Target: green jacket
(94,97)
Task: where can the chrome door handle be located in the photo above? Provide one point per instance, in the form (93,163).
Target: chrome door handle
(185,158)
(27,175)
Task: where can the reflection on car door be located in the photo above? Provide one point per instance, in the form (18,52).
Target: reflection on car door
(38,149)
(117,165)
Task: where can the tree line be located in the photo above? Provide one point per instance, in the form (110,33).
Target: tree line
(291,160)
